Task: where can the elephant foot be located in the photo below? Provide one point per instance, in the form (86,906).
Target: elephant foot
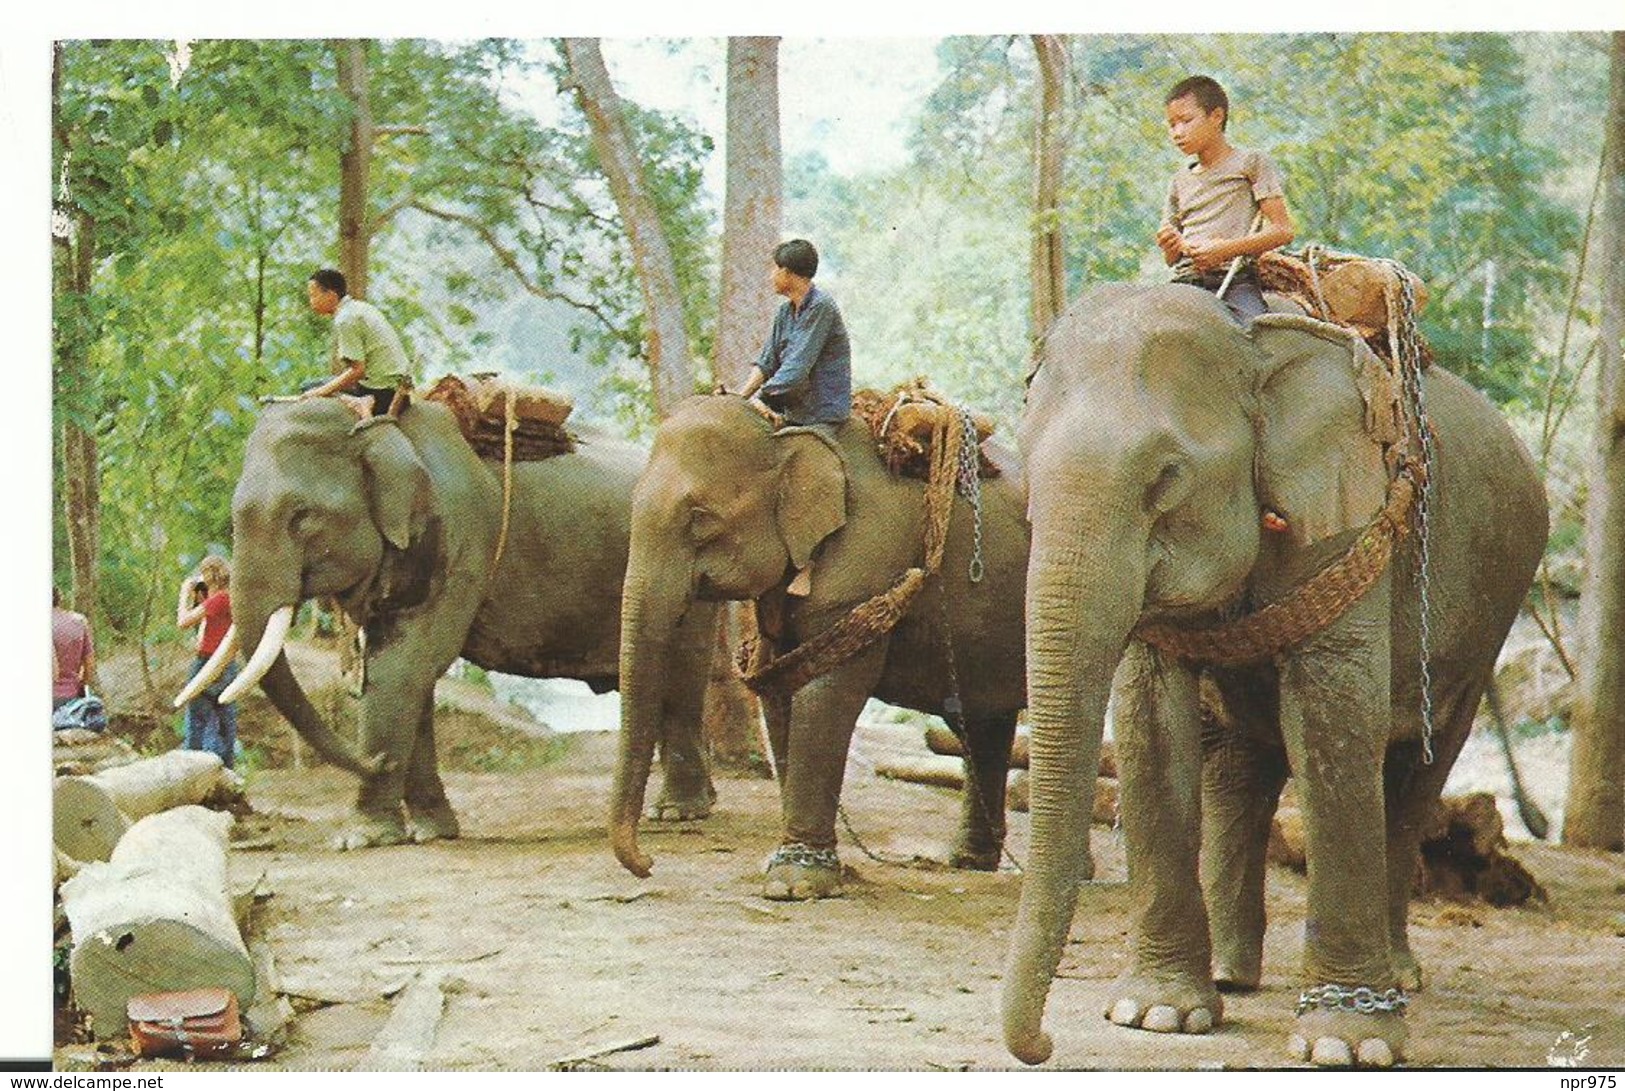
(1238,974)
(976,859)
(671,807)
(435,824)
(373,832)
(796,873)
(1165,1005)
(1344,1027)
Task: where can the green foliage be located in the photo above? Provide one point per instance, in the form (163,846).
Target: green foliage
(1403,145)
(203,190)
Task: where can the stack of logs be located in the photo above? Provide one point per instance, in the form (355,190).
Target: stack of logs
(483,405)
(143,877)
(1463,848)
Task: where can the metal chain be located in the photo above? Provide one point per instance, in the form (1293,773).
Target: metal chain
(969,485)
(1360,998)
(802,855)
(1408,357)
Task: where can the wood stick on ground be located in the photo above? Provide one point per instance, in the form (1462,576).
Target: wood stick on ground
(408,1034)
(573,1059)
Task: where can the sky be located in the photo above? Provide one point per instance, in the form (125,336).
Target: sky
(851,99)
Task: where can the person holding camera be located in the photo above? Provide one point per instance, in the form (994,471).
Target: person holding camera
(205,599)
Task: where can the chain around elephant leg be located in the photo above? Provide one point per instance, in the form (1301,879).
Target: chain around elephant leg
(1350,1026)
(797,872)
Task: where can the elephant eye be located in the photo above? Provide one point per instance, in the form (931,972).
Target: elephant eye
(705,525)
(302,523)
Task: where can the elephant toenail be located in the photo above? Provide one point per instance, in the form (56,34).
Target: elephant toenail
(1298,1047)
(1124,1013)
(1199,1021)
(1375,1053)
(1331,1053)
(1162,1019)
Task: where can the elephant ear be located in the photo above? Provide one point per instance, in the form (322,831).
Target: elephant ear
(811,501)
(1328,411)
(397,484)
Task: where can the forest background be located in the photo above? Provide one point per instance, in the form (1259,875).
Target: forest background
(211,176)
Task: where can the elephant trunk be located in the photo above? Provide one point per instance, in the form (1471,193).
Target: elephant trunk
(252,615)
(1083,597)
(650,612)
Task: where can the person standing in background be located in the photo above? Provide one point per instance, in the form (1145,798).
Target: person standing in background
(210,725)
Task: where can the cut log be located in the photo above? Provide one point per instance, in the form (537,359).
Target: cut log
(90,813)
(940,740)
(1462,856)
(156,918)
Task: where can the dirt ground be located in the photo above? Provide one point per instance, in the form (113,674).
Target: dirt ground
(545,950)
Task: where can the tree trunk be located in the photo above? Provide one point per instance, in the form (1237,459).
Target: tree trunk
(355,165)
(753,207)
(1049,157)
(90,813)
(73,249)
(156,918)
(1595,811)
(671,367)
(732,718)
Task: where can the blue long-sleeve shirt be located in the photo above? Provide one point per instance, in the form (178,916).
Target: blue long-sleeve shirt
(808,362)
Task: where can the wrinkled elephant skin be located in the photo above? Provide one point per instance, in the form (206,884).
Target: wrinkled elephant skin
(730,510)
(399,524)
(1158,435)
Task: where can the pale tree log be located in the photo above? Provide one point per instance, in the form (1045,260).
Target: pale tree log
(671,366)
(1049,156)
(156,918)
(1594,815)
(752,207)
(91,813)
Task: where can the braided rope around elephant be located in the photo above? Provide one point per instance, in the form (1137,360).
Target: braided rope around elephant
(778,677)
(1316,603)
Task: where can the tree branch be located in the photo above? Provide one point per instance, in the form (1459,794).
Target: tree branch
(510,261)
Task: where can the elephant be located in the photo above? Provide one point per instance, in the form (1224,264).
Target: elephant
(399,522)
(1182,468)
(729,510)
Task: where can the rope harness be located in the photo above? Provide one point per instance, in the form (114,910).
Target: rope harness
(1315,604)
(778,677)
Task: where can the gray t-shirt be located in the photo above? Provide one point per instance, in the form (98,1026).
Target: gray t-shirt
(1220,202)
(362,333)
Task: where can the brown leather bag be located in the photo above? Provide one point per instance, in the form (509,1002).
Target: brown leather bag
(194,1023)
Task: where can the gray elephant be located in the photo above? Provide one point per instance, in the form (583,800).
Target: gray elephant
(400,524)
(1179,469)
(728,509)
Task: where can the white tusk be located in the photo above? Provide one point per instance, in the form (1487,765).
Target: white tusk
(204,678)
(276,632)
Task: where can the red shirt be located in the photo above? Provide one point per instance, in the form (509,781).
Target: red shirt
(216,620)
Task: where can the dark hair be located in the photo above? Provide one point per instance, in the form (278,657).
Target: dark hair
(797,256)
(1207,93)
(332,280)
